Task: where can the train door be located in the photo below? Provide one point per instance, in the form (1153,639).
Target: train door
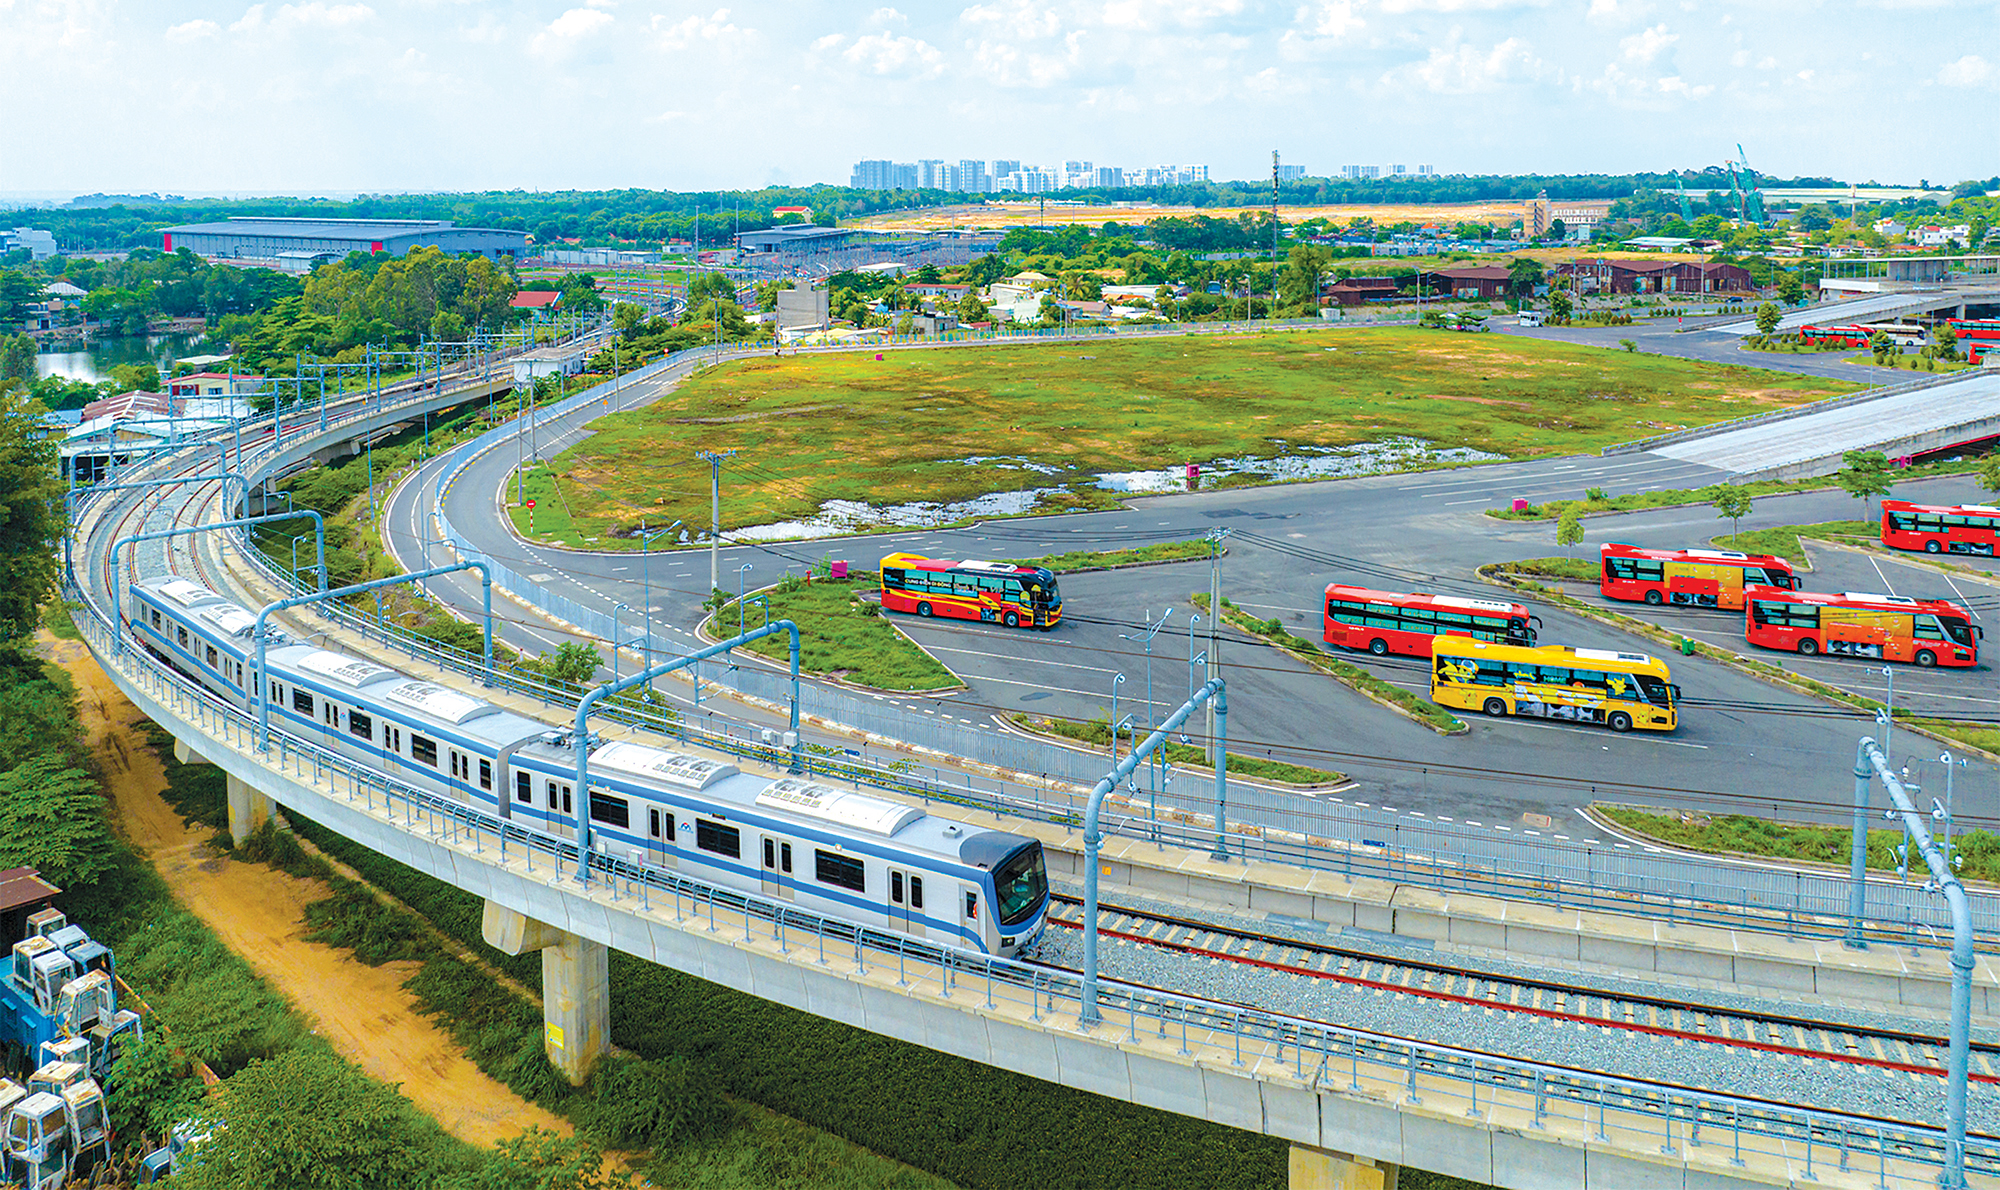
(906,901)
(560,803)
(660,836)
(777,868)
(461,773)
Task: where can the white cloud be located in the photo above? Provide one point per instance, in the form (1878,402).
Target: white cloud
(1153,14)
(1676,85)
(887,16)
(323,15)
(1019,19)
(577,22)
(1646,45)
(1969,71)
(1329,18)
(193,30)
(889,53)
(684,33)
(252,18)
(1466,68)
(1404,6)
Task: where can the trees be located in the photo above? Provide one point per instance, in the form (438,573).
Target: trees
(574,663)
(1768,315)
(17,361)
(1791,290)
(1560,303)
(1882,347)
(52,820)
(1569,528)
(31,515)
(1865,475)
(1523,274)
(1944,341)
(1732,502)
(306,1120)
(971,309)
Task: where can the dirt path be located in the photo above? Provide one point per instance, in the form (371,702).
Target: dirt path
(363,1012)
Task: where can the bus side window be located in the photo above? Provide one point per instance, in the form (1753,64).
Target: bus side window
(892,577)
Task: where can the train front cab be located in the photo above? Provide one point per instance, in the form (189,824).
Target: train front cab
(1019,889)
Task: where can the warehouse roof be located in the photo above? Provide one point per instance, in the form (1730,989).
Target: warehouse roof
(321,229)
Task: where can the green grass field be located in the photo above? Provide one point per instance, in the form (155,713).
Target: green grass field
(947,425)
(838,635)
(1783,540)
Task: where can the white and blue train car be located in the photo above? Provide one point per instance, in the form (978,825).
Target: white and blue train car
(843,854)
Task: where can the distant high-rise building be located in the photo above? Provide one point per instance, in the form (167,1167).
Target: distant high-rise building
(1361,172)
(874,175)
(1397,171)
(972,177)
(904,176)
(1291,172)
(930,174)
(1426,171)
(1109,177)
(1002,168)
(1192,174)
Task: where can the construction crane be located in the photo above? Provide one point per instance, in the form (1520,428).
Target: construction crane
(1749,199)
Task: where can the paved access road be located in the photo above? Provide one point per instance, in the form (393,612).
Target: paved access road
(1763,750)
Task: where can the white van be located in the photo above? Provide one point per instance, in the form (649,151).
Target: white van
(1531,318)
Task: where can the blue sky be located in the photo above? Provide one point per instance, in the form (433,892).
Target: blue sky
(343,95)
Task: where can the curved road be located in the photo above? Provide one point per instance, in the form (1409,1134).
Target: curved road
(1744,745)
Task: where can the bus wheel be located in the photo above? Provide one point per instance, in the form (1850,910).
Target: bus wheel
(1619,721)
(1379,647)
(1011,620)
(1925,658)
(1495,707)
(1932,546)
(1808,646)
(924,609)
(1653,597)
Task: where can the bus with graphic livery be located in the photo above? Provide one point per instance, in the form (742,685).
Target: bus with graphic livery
(1940,528)
(1383,622)
(990,592)
(1691,578)
(1621,691)
(1925,632)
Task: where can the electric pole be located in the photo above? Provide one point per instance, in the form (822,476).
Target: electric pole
(714,460)
(1215,537)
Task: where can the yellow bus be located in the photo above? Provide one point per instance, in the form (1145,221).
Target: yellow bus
(1619,690)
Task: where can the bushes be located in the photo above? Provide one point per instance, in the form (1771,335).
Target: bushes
(636,1103)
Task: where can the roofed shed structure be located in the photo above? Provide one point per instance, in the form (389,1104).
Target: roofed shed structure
(257,237)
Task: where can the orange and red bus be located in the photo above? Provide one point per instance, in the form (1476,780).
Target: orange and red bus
(991,592)
(1858,624)
(1940,528)
(1693,578)
(1385,623)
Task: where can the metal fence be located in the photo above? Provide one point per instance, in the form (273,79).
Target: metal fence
(1673,1122)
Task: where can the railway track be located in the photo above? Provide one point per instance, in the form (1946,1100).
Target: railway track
(1914,1053)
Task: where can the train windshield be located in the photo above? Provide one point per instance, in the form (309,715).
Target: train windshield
(1019,884)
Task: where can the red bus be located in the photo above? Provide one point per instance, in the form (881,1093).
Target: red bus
(1693,578)
(1857,624)
(991,592)
(1940,528)
(1384,623)
(1903,334)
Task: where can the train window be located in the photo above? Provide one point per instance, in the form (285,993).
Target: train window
(156,616)
(331,713)
(213,660)
(723,840)
(916,892)
(423,750)
(301,701)
(486,774)
(896,887)
(360,725)
(660,825)
(550,793)
(181,635)
(785,857)
(840,870)
(524,787)
(770,853)
(972,906)
(395,739)
(277,692)
(609,810)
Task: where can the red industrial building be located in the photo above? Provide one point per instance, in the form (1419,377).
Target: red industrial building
(1664,276)
(1470,282)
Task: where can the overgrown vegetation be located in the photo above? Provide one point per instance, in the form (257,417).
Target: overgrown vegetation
(950,425)
(1670,497)
(1165,551)
(1569,570)
(1097,732)
(1783,540)
(1741,834)
(840,634)
(1421,709)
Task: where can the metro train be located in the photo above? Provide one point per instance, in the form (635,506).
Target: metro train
(843,854)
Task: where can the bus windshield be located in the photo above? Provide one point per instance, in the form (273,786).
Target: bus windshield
(1042,590)
(1019,883)
(1959,631)
(1656,691)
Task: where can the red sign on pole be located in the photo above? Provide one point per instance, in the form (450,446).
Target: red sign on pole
(531,504)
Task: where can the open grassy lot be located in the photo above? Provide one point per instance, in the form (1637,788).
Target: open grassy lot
(839,635)
(953,424)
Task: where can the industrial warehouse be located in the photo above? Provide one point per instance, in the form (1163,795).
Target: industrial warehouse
(295,245)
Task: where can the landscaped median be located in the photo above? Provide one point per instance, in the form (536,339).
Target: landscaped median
(1797,842)
(1097,733)
(1360,680)
(841,635)
(1595,502)
(1982,739)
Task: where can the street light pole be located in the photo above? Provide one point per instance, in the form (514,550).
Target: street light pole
(714,460)
(740,570)
(646,572)
(1215,537)
(1116,681)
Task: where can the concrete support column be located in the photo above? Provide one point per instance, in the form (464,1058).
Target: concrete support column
(576,987)
(248,810)
(1323,1169)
